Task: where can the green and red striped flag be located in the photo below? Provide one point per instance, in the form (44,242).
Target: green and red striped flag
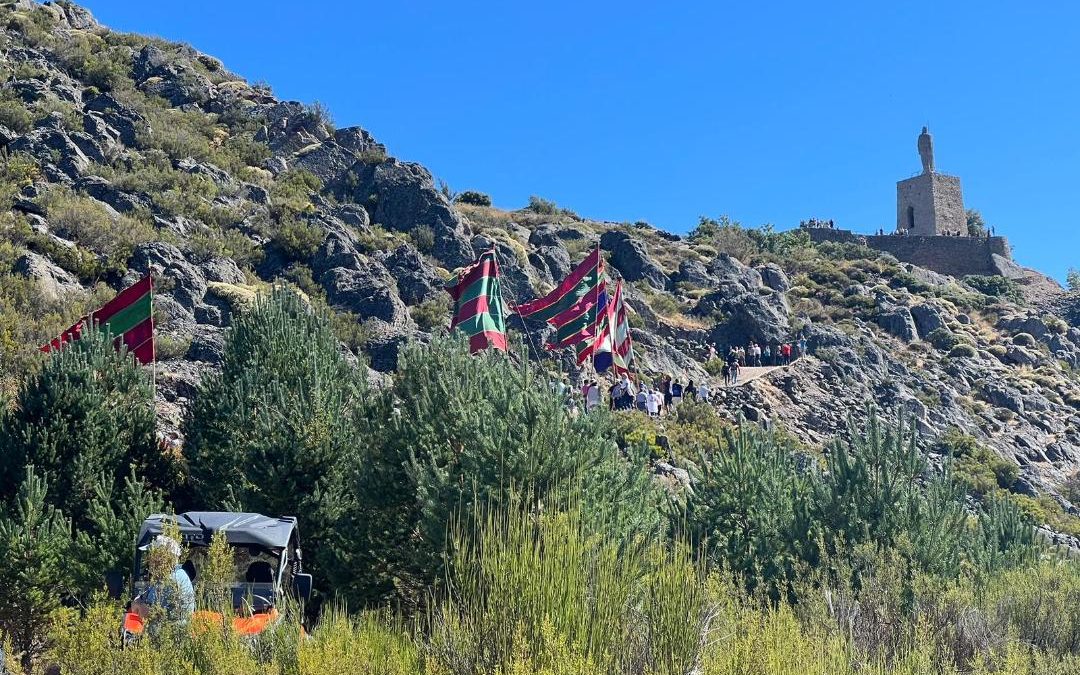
(581,283)
(478,306)
(129,316)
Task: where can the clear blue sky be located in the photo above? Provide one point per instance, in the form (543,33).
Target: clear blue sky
(769,112)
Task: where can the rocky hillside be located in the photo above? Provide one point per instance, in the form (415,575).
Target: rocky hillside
(125,154)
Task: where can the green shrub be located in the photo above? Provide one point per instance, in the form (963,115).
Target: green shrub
(994,286)
(90,224)
(297,239)
(963,351)
(473,198)
(423,237)
(714,366)
(107,428)
(542,206)
(432,314)
(1023,340)
(943,339)
(980,469)
(15,116)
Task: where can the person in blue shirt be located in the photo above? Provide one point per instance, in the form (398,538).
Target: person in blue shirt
(175,595)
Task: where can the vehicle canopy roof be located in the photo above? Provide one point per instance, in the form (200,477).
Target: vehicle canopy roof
(241,529)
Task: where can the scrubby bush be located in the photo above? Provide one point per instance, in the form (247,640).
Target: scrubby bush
(90,224)
(963,351)
(542,206)
(432,314)
(994,286)
(943,339)
(1023,340)
(423,237)
(980,469)
(473,198)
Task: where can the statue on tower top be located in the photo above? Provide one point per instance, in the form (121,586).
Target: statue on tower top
(926,151)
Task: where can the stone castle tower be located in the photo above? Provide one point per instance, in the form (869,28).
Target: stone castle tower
(931,203)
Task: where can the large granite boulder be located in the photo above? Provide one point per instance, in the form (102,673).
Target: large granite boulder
(402,196)
(416,279)
(367,291)
(184,281)
(896,320)
(128,123)
(631,258)
(750,316)
(53,146)
(54,281)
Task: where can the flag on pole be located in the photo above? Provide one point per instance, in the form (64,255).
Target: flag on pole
(578,323)
(612,346)
(478,306)
(581,283)
(129,316)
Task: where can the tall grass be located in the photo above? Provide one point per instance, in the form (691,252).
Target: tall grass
(536,590)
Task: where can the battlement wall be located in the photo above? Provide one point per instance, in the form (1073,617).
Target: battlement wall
(955,256)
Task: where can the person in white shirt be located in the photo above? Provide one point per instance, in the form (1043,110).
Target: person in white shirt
(703,392)
(653,401)
(592,396)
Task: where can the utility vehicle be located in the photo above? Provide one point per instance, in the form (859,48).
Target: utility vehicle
(267,562)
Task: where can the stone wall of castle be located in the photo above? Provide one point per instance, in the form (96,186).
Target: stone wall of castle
(956,256)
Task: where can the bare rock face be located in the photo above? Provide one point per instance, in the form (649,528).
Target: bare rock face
(54,281)
(631,258)
(402,196)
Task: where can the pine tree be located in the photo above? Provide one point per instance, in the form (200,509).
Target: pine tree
(87,412)
(113,520)
(35,545)
(273,430)
(468,430)
(750,510)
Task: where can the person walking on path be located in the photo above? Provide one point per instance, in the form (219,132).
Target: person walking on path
(676,394)
(802,347)
(691,390)
(767,355)
(703,392)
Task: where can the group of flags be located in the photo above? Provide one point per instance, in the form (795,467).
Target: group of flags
(586,312)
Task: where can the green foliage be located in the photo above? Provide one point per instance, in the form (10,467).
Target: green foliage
(87,413)
(534,588)
(943,339)
(1072,279)
(113,519)
(749,511)
(467,430)
(1023,340)
(975,225)
(432,314)
(35,542)
(963,351)
(714,366)
(473,198)
(423,237)
(977,467)
(297,239)
(14,114)
(994,286)
(542,206)
(772,523)
(90,224)
(273,430)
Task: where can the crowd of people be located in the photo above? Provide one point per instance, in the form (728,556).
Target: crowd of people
(655,398)
(662,395)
